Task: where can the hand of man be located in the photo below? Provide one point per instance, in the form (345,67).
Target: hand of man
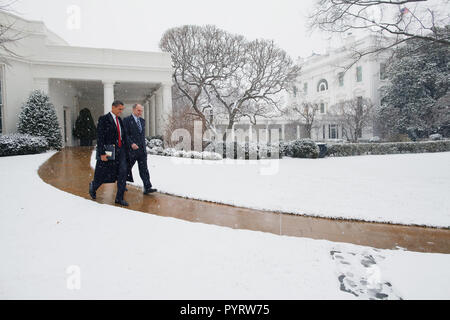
(104,157)
(134,146)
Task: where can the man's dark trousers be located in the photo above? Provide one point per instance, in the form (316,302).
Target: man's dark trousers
(112,170)
(136,135)
(121,173)
(141,157)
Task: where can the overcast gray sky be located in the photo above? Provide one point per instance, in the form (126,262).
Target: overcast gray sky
(139,24)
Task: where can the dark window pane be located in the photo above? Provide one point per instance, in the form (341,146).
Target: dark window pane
(383,71)
(359,74)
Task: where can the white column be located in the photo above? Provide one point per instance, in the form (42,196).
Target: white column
(153,115)
(147,118)
(167,105)
(108,95)
(282,131)
(158,111)
(298,132)
(250,133)
(41,84)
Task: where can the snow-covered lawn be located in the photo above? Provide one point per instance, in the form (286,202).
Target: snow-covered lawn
(126,254)
(401,188)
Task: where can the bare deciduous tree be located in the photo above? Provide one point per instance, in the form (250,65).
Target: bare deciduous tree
(201,55)
(236,78)
(7,34)
(305,113)
(254,89)
(181,118)
(394,21)
(354,115)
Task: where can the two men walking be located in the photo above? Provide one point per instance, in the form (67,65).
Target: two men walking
(119,145)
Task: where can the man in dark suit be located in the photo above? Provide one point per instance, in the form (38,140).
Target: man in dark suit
(110,131)
(135,130)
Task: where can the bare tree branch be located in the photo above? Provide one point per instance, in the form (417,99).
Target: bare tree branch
(397,20)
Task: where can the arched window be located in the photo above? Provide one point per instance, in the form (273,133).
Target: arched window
(322,85)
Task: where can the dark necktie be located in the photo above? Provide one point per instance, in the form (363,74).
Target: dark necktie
(138,121)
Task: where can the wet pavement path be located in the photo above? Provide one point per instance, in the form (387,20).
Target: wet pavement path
(70,170)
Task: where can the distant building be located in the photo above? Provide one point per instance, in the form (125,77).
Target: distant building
(324,83)
(80,77)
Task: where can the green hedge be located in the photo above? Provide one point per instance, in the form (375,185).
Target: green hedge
(355,149)
(19,144)
(300,148)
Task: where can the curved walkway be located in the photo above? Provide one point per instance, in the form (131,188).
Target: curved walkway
(70,171)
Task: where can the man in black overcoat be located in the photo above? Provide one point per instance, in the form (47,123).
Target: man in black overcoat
(111,131)
(135,129)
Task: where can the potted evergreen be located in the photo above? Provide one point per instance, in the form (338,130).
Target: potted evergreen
(85,129)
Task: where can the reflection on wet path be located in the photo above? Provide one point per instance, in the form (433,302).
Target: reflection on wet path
(70,170)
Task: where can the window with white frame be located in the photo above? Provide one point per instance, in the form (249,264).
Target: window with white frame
(322,107)
(333,131)
(305,87)
(383,75)
(358,74)
(341,79)
(294,90)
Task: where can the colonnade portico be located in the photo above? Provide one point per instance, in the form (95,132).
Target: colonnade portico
(76,78)
(156,98)
(157,106)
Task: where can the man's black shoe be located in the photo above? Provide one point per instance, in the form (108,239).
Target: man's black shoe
(92,192)
(122,203)
(150,190)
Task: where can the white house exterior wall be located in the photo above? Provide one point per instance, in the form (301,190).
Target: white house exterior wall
(45,61)
(328,67)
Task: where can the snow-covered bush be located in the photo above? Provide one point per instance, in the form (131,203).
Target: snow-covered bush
(169,152)
(38,118)
(193,155)
(156,151)
(436,136)
(375,139)
(172,152)
(354,149)
(18,143)
(247,151)
(251,150)
(304,148)
(269,151)
(180,153)
(206,155)
(286,149)
(155,143)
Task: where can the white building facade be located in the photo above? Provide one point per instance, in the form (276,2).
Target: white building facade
(326,80)
(78,77)
(323,82)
